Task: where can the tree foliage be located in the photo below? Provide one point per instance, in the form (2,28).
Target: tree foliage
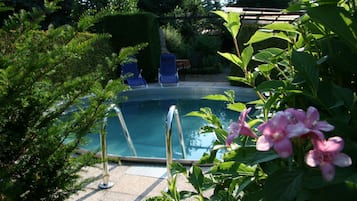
(158,7)
(70,11)
(39,85)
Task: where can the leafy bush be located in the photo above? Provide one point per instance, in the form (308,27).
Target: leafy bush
(245,33)
(39,82)
(175,42)
(204,54)
(297,140)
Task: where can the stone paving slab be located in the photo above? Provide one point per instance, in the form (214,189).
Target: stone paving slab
(132,182)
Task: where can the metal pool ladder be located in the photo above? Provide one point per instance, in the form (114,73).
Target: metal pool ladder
(170,115)
(103,143)
(125,129)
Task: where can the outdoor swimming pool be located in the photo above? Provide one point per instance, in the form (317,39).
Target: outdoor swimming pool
(145,114)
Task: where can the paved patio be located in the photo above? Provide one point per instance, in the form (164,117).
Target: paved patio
(132,182)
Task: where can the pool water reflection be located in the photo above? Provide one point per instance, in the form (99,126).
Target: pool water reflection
(146,123)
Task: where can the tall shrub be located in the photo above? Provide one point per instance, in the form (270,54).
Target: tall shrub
(132,29)
(37,86)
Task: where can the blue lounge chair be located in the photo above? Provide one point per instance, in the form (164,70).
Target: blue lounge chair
(133,76)
(168,72)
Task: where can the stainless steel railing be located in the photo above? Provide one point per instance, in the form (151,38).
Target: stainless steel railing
(103,143)
(170,115)
(125,129)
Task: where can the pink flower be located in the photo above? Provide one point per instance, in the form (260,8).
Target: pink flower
(326,154)
(307,123)
(275,135)
(240,128)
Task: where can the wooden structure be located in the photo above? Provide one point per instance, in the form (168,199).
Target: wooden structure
(263,15)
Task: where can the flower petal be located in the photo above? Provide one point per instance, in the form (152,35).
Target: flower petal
(311,158)
(245,130)
(283,148)
(296,130)
(280,121)
(295,115)
(230,139)
(324,126)
(317,134)
(312,114)
(328,171)
(234,128)
(243,115)
(263,144)
(265,128)
(342,160)
(334,144)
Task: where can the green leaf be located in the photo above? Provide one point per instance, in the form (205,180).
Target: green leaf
(221,135)
(267,55)
(345,94)
(247,56)
(250,156)
(281,26)
(230,94)
(172,192)
(233,24)
(196,178)
(259,36)
(244,183)
(239,107)
(196,114)
(262,35)
(282,36)
(336,98)
(206,114)
(177,168)
(266,68)
(216,97)
(338,20)
(256,102)
(270,85)
(269,103)
(3,8)
(206,129)
(305,65)
(254,122)
(234,168)
(208,158)
(222,14)
(233,58)
(232,21)
(239,79)
(283,185)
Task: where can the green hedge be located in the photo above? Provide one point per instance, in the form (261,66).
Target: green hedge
(133,29)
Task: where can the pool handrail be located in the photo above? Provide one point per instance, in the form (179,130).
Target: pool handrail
(170,115)
(125,128)
(105,184)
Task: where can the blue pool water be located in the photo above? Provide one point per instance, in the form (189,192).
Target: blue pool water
(145,115)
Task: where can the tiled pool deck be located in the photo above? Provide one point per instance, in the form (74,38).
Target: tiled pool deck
(139,181)
(132,182)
